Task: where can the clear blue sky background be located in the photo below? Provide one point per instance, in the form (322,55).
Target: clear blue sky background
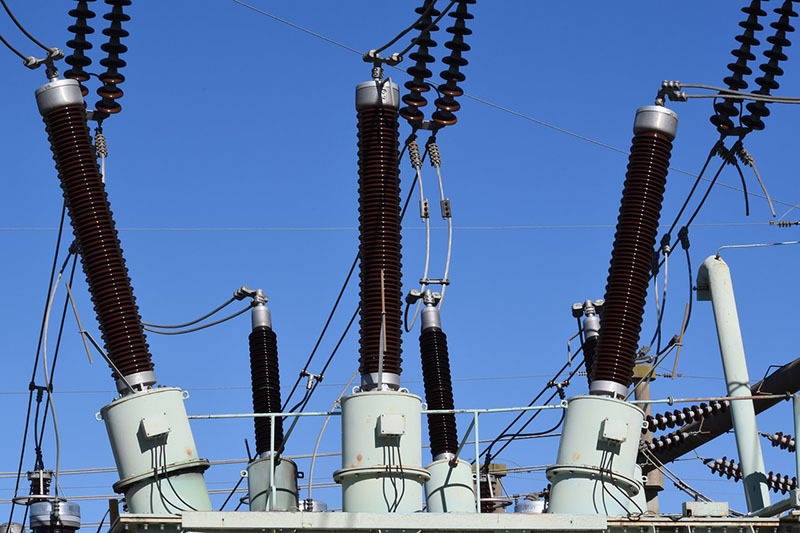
(234,162)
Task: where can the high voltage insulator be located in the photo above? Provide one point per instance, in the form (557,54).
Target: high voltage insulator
(666,442)
(731,469)
(447,104)
(420,72)
(78,59)
(771,69)
(438,383)
(726,108)
(379,233)
(685,415)
(265,378)
(109,92)
(62,107)
(626,289)
(784,442)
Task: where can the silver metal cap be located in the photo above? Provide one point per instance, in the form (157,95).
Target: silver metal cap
(260,316)
(430,317)
(656,118)
(48,514)
(389,381)
(138,382)
(377,94)
(58,93)
(591,326)
(604,387)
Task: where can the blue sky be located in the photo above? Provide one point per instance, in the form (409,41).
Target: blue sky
(234,162)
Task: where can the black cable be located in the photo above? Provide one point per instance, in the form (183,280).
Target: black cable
(405,31)
(232,493)
(102,521)
(187,324)
(522,413)
(705,196)
(198,328)
(744,188)
(10,47)
(691,295)
(428,27)
(21,28)
(36,360)
(169,481)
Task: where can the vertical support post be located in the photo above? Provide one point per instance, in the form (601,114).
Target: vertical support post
(655,478)
(478,465)
(796,409)
(273,492)
(714,283)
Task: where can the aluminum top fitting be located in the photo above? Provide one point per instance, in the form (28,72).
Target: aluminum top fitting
(260,316)
(58,93)
(138,381)
(430,317)
(656,118)
(389,381)
(604,387)
(49,514)
(377,94)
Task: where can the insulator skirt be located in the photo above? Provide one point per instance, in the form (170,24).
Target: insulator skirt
(266,386)
(589,353)
(95,232)
(379,238)
(628,275)
(438,391)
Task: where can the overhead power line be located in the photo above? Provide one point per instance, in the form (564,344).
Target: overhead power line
(508,110)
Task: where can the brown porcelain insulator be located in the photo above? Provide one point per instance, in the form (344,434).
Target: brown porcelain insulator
(379,237)
(628,275)
(93,226)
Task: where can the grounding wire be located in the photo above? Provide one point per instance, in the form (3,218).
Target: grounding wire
(198,328)
(321,431)
(195,321)
(36,363)
(22,28)
(47,375)
(58,345)
(502,108)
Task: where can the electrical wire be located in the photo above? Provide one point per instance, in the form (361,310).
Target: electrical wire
(22,29)
(425,213)
(241,478)
(192,322)
(36,362)
(400,35)
(10,47)
(442,198)
(198,328)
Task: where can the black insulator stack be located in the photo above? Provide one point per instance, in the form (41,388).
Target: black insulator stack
(678,418)
(446,105)
(589,353)
(731,469)
(109,92)
(438,391)
(96,235)
(628,275)
(420,72)
(379,238)
(782,441)
(727,108)
(266,386)
(78,59)
(771,68)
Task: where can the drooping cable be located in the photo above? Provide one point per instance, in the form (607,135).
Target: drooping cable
(198,328)
(191,322)
(424,213)
(22,28)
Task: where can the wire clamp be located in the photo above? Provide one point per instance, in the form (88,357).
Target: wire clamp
(311,378)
